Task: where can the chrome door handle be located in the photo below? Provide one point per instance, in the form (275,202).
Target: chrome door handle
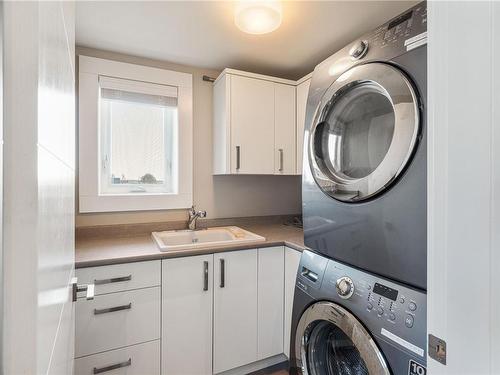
(112,367)
(205,276)
(222,273)
(238,157)
(113,280)
(77,288)
(113,309)
(281,160)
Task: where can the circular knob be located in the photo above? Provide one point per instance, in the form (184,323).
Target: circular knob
(359,49)
(345,287)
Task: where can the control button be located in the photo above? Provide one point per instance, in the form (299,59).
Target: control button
(368,287)
(402,300)
(409,321)
(380,311)
(412,306)
(369,306)
(359,49)
(345,287)
(392,316)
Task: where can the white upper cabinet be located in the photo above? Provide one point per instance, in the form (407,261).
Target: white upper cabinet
(302,92)
(254,124)
(284,129)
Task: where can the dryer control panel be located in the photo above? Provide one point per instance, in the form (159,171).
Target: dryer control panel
(392,312)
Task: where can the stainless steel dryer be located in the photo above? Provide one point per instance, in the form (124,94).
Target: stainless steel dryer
(349,322)
(364,177)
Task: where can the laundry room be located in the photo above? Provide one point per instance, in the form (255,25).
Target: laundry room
(265,187)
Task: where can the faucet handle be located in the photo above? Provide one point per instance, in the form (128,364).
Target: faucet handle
(192,210)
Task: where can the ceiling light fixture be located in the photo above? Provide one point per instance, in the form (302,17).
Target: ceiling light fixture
(257,17)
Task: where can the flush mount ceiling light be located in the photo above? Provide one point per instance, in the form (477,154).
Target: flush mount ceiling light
(257,17)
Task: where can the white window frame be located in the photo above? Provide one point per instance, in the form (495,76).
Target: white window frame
(90,198)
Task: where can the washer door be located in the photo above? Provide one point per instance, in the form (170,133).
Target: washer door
(364,133)
(331,341)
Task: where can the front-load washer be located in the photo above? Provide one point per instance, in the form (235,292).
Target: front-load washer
(364,176)
(350,322)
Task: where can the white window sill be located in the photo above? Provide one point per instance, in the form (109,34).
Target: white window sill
(135,202)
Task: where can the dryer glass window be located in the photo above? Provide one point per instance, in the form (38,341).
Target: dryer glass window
(358,131)
(331,352)
(364,133)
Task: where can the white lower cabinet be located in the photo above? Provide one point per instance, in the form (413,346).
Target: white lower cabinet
(187,297)
(212,313)
(292,261)
(141,359)
(235,309)
(270,290)
(115,320)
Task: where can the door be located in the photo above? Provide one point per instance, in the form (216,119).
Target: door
(271,274)
(39,175)
(330,340)
(235,309)
(292,260)
(284,129)
(302,93)
(252,126)
(364,133)
(187,290)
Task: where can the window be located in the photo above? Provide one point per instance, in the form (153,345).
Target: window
(138,136)
(141,137)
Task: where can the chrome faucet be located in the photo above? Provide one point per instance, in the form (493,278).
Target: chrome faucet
(193,216)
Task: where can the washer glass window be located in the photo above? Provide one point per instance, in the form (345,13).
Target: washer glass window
(331,352)
(365,132)
(329,340)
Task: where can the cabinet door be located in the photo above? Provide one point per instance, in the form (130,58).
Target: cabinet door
(292,260)
(187,291)
(252,126)
(235,309)
(302,92)
(270,301)
(284,129)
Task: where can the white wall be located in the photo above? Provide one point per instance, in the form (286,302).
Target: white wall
(39,170)
(220,196)
(464,185)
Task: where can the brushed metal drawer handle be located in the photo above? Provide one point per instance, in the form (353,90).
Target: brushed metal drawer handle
(113,280)
(112,309)
(113,367)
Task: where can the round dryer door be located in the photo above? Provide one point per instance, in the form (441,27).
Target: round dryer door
(331,341)
(364,133)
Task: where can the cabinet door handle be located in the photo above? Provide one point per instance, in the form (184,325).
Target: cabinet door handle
(205,276)
(238,157)
(76,288)
(113,367)
(222,273)
(112,309)
(113,280)
(281,159)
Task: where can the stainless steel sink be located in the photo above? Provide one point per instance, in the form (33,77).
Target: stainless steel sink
(193,239)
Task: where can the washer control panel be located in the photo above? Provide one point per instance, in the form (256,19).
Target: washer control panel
(391,311)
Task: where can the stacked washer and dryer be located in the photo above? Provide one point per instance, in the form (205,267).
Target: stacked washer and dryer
(360,296)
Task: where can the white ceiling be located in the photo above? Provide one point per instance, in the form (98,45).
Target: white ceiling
(202,33)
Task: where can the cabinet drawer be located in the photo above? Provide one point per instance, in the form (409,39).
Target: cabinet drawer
(120,277)
(115,320)
(141,359)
